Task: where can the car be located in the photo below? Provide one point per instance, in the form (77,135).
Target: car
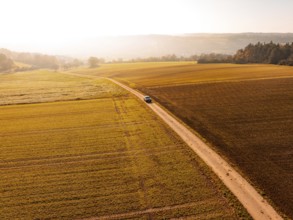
(147,99)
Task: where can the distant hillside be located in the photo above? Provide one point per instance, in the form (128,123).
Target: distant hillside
(20,61)
(34,60)
(128,47)
(145,46)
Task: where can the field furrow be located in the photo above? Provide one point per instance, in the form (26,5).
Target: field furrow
(108,157)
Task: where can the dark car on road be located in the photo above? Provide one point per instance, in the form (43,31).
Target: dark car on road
(147,99)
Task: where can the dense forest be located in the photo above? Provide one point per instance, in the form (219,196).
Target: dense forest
(266,53)
(269,53)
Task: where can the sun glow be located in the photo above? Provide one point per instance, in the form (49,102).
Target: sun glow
(51,23)
(56,19)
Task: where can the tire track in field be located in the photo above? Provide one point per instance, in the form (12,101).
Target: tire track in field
(73,159)
(151,211)
(256,205)
(122,112)
(77,128)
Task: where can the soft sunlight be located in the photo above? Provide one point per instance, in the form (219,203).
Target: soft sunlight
(39,24)
(146,109)
(51,21)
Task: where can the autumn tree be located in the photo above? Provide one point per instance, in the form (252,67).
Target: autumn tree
(265,53)
(5,63)
(93,62)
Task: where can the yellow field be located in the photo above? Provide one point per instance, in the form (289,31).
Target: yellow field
(49,86)
(100,157)
(143,75)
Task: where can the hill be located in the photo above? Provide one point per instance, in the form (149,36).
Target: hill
(145,46)
(22,61)
(34,59)
(128,47)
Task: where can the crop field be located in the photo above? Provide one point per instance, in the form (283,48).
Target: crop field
(141,75)
(48,86)
(249,122)
(244,111)
(105,157)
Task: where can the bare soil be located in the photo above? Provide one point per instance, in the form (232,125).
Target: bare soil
(249,122)
(255,204)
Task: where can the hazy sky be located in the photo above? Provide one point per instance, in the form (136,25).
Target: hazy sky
(55,22)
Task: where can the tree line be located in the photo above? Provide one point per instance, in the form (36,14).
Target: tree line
(35,60)
(271,53)
(215,58)
(165,58)
(267,53)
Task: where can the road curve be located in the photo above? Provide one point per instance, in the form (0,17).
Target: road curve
(255,204)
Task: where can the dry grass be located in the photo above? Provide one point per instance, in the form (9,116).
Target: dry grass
(79,159)
(48,86)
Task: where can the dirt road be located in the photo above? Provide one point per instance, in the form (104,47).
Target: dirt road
(255,204)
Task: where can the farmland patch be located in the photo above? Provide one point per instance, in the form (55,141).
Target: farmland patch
(249,122)
(48,86)
(101,158)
